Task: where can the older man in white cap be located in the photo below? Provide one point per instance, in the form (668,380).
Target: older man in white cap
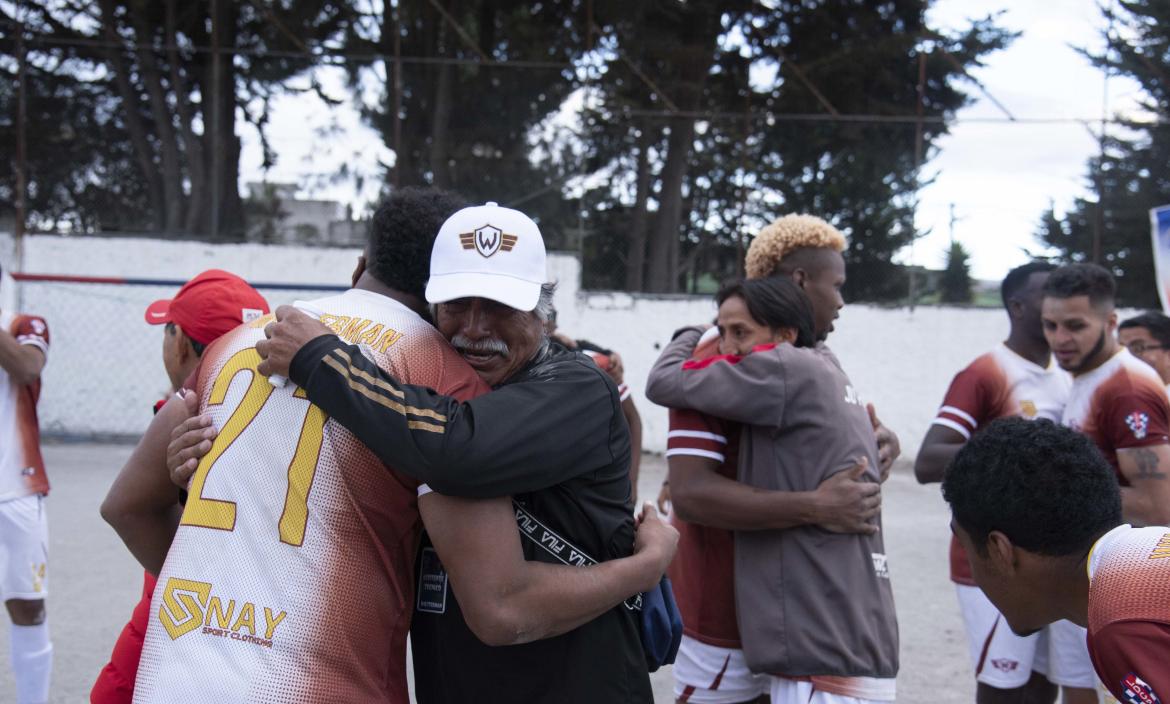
(551,435)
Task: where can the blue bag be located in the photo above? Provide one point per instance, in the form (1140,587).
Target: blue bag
(659,622)
(661,626)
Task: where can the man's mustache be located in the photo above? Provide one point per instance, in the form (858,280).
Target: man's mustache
(485,346)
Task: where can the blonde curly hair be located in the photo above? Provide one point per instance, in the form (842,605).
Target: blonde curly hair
(785,235)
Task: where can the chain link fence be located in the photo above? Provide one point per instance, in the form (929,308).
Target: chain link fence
(105,369)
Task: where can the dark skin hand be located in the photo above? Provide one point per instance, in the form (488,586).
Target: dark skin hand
(843,503)
(888,446)
(291,331)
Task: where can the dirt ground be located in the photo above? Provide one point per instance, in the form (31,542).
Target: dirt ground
(94,582)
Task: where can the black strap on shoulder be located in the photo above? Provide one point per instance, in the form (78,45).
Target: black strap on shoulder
(558,547)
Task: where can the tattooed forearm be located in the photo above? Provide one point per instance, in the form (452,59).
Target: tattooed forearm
(1147,464)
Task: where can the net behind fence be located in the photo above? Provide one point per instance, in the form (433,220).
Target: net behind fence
(105,369)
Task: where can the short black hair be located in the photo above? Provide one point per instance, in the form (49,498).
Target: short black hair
(402,234)
(1157,323)
(1046,487)
(776,302)
(1017,279)
(1082,279)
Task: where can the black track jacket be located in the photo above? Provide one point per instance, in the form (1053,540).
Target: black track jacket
(554,438)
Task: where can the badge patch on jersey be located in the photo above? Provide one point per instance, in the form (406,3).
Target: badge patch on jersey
(1136,691)
(1028,409)
(432,583)
(1139,423)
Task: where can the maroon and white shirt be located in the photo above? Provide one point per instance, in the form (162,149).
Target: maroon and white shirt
(22,470)
(703,571)
(1129,613)
(1121,404)
(997,384)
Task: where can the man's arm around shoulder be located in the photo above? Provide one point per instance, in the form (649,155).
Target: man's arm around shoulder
(508,600)
(842,503)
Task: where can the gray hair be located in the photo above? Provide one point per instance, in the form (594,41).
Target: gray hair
(544,310)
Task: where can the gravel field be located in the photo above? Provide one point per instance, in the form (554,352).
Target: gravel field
(94,582)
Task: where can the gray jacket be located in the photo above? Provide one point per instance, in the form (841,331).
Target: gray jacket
(810,602)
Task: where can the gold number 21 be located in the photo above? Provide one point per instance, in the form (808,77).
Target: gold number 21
(221,514)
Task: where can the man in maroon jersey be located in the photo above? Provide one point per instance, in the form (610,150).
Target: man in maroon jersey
(1039,512)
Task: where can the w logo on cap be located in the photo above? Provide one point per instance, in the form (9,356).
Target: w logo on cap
(487,240)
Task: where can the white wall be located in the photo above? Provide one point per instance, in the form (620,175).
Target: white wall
(900,361)
(105,368)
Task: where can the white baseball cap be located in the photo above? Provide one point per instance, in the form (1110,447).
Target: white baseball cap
(486,251)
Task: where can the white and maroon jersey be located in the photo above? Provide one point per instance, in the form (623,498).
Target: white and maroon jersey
(1129,613)
(1119,405)
(997,384)
(22,471)
(703,571)
(290,578)
(604,361)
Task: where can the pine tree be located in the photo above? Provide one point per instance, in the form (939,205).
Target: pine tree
(955,282)
(1131,177)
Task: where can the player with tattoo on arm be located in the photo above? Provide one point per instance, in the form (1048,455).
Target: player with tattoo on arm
(1016,378)
(1117,400)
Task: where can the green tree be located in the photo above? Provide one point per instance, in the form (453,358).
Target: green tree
(1131,176)
(479,83)
(133,110)
(743,159)
(955,282)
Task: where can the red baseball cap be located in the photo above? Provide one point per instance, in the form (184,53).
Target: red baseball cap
(209,305)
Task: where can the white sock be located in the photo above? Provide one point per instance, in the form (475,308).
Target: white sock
(32,662)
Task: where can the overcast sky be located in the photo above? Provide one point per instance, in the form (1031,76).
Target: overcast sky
(999,176)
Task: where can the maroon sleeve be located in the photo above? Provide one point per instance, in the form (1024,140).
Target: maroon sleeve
(31,330)
(1137,417)
(969,399)
(1130,658)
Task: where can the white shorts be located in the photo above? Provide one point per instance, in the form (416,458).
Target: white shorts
(708,674)
(786,691)
(24,552)
(1004,660)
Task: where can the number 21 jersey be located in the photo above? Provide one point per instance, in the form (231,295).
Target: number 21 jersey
(290,577)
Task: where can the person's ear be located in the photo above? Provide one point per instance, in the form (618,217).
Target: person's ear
(1015,308)
(1001,553)
(186,348)
(786,335)
(799,277)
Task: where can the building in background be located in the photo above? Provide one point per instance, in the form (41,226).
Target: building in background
(277,216)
